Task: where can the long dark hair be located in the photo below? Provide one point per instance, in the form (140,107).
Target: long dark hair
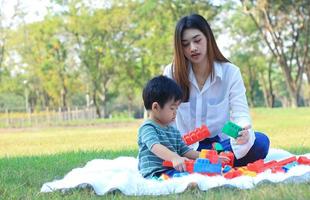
(180,63)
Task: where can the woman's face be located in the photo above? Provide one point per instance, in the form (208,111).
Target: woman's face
(194,44)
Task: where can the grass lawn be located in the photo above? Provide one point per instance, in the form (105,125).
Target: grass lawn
(29,157)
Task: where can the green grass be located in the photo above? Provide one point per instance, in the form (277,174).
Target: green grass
(30,157)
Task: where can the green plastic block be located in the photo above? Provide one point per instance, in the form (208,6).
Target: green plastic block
(218,147)
(231,129)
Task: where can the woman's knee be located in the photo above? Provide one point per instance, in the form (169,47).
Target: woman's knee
(263,143)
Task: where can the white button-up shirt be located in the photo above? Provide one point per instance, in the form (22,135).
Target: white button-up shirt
(219,101)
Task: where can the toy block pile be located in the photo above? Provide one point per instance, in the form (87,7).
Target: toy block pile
(209,163)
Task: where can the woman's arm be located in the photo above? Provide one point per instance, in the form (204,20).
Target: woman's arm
(241,116)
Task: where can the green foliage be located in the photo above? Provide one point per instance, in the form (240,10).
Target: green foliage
(110,52)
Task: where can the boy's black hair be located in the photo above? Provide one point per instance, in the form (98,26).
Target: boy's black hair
(160,89)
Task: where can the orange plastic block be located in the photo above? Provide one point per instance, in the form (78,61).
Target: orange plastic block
(196,135)
(247,172)
(163,177)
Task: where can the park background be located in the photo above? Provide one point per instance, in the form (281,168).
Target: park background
(72,73)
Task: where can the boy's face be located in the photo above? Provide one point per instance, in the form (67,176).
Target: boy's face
(168,113)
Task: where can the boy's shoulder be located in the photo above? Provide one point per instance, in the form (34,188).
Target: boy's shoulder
(151,124)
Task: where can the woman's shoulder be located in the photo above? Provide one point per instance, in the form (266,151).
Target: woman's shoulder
(168,70)
(227,65)
(227,68)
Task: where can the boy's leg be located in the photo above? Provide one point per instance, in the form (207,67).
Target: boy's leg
(258,151)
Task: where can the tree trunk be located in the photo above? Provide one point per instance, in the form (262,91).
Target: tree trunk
(98,112)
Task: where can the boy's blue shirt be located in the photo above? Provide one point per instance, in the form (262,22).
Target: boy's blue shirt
(150,133)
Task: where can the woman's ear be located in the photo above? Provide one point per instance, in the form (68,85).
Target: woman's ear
(155,106)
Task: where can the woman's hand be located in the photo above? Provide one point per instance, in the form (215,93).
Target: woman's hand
(244,135)
(179,163)
(224,159)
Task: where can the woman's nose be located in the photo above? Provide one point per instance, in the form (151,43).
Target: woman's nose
(193,47)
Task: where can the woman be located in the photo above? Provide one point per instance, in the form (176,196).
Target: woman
(214,92)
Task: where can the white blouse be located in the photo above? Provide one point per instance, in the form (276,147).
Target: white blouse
(219,100)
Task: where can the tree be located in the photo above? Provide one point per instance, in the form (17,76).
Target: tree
(285,28)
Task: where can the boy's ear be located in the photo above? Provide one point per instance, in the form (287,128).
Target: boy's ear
(155,106)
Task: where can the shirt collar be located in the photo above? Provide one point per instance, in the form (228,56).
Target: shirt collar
(218,71)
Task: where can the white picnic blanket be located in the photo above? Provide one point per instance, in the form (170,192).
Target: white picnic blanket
(122,174)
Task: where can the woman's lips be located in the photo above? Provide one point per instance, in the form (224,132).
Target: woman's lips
(195,55)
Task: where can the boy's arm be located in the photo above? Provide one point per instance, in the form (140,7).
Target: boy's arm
(166,154)
(192,154)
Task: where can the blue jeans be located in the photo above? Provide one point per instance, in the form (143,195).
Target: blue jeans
(258,151)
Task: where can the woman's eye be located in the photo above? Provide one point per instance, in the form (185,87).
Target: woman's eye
(197,41)
(185,44)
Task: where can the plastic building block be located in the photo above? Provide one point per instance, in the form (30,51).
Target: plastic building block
(163,177)
(189,164)
(260,166)
(217,147)
(203,153)
(209,154)
(196,135)
(204,166)
(247,172)
(232,174)
(176,175)
(256,166)
(226,169)
(277,169)
(289,166)
(167,163)
(303,160)
(286,161)
(231,129)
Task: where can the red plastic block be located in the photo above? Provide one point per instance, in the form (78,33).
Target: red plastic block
(256,166)
(303,160)
(232,174)
(269,165)
(189,165)
(167,163)
(212,156)
(196,135)
(277,169)
(286,161)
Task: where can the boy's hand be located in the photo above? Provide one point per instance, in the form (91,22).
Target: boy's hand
(244,135)
(179,164)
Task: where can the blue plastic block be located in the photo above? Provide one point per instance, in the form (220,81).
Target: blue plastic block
(203,165)
(289,166)
(226,169)
(180,174)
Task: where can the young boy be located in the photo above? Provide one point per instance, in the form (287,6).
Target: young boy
(157,140)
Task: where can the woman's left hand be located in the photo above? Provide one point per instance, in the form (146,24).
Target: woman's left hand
(244,135)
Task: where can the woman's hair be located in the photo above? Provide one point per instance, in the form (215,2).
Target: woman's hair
(180,63)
